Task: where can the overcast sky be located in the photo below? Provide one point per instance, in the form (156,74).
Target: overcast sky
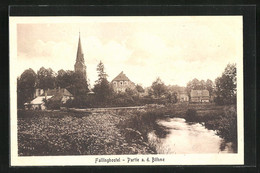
(176,50)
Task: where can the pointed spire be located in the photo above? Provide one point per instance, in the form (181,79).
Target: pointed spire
(79,52)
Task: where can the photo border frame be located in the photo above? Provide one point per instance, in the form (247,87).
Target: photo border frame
(249,46)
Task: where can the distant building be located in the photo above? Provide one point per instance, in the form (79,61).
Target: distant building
(183,96)
(38,92)
(121,82)
(199,96)
(37,103)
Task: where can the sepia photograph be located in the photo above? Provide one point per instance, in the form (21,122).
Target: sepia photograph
(161,90)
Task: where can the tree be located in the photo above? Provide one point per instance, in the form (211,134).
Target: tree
(46,79)
(210,86)
(101,72)
(172,97)
(64,79)
(195,84)
(158,88)
(60,78)
(78,84)
(25,86)
(139,88)
(103,90)
(73,81)
(226,86)
(202,85)
(192,85)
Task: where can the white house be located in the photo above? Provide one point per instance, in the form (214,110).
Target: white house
(57,94)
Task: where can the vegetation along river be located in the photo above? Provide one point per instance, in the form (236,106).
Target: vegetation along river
(187,138)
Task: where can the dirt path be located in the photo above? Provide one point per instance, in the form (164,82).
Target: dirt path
(105,109)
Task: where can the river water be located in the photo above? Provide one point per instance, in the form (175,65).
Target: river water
(188,138)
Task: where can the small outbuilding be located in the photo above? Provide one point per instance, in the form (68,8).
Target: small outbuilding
(37,103)
(182,95)
(56,94)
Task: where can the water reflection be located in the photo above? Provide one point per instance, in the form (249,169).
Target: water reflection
(186,138)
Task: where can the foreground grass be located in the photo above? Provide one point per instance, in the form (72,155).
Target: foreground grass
(113,132)
(70,133)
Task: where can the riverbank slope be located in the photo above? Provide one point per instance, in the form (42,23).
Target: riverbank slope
(111,132)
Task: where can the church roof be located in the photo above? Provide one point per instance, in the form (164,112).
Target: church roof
(121,77)
(79,52)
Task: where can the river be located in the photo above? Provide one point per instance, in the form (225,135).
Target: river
(188,138)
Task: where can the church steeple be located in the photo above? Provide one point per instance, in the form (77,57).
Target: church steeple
(80,66)
(80,55)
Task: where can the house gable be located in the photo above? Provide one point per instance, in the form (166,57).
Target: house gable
(121,82)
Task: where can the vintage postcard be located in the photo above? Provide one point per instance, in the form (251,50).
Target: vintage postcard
(154,90)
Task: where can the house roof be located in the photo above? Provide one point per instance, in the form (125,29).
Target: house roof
(39,100)
(62,91)
(121,77)
(57,94)
(199,93)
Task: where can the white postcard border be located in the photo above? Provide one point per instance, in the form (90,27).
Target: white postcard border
(169,159)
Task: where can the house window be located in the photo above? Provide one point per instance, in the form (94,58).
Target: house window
(121,83)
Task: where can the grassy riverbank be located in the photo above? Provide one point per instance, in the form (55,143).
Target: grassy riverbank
(73,133)
(222,119)
(112,132)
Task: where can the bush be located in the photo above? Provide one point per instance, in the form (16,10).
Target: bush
(191,115)
(123,99)
(69,103)
(226,125)
(120,101)
(53,104)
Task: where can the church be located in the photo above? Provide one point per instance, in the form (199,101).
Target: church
(120,83)
(80,66)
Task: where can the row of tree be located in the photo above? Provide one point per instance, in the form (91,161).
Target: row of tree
(223,90)
(47,79)
(195,84)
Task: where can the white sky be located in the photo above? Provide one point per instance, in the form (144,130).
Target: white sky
(176,49)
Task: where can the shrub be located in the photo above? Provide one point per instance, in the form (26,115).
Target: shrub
(226,125)
(191,115)
(146,121)
(69,103)
(52,104)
